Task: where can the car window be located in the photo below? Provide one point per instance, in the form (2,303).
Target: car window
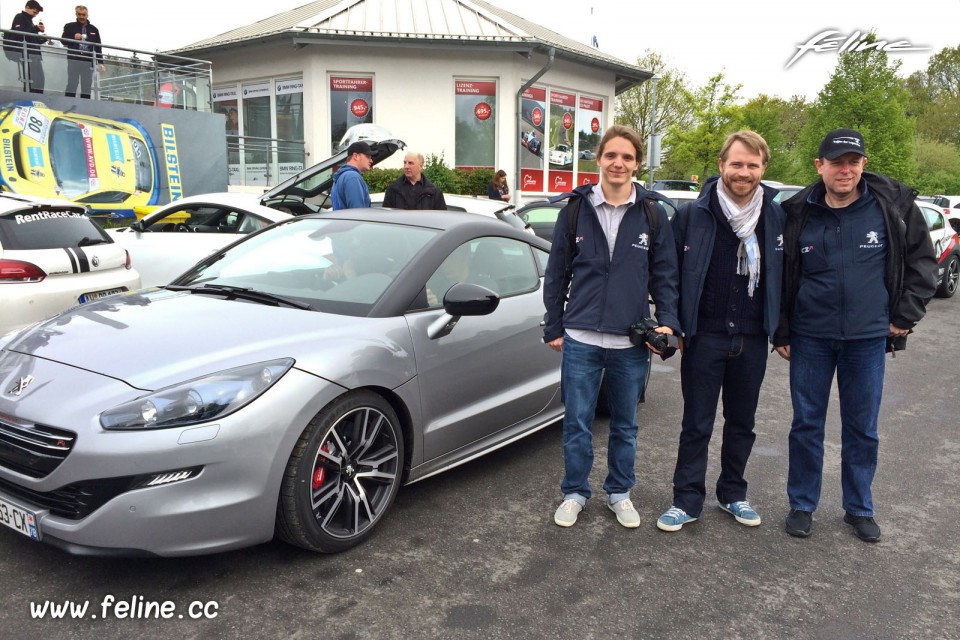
(502,265)
(68,158)
(542,257)
(48,228)
(541,214)
(933,218)
(336,266)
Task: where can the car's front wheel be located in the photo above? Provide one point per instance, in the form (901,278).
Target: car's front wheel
(951,277)
(343,474)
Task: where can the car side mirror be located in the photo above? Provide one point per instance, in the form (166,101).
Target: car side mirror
(462,299)
(137,226)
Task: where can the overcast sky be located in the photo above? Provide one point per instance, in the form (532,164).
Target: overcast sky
(750,41)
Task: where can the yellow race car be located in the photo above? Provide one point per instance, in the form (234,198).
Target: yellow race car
(107,165)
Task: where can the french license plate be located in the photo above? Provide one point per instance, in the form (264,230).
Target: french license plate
(19,519)
(97,295)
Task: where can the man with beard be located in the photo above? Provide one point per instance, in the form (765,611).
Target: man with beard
(730,250)
(413,190)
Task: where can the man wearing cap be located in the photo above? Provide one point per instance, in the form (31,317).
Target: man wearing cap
(350,190)
(859,269)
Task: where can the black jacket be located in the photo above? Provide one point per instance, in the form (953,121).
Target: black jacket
(911,266)
(610,295)
(423,196)
(70,30)
(695,228)
(12,45)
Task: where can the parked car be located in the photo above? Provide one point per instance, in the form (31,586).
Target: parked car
(497,209)
(676,185)
(945,245)
(275,389)
(561,155)
(107,165)
(176,236)
(787,191)
(53,257)
(541,216)
(587,154)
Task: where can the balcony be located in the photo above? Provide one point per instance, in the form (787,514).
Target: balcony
(127,75)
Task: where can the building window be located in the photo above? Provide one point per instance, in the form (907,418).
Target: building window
(476,124)
(532,138)
(563,110)
(589,116)
(289,117)
(351,102)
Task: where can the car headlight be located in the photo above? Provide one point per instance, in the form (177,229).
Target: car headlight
(200,400)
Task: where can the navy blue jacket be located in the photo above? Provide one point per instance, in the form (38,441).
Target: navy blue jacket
(695,228)
(610,295)
(910,272)
(75,52)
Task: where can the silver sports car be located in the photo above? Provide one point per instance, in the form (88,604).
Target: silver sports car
(287,385)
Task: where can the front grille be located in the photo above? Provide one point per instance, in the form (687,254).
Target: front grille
(33,451)
(73,501)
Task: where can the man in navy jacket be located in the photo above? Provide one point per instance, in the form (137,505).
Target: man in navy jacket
(730,248)
(859,269)
(599,276)
(350,190)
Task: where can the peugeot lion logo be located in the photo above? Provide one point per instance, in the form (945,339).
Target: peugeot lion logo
(18,388)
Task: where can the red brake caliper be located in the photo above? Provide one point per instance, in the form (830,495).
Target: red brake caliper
(320,473)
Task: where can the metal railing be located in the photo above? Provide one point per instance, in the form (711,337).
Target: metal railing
(263,162)
(126,75)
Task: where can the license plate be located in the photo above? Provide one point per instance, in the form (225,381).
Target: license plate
(97,295)
(19,519)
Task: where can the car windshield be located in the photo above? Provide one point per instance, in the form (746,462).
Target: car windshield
(68,158)
(336,266)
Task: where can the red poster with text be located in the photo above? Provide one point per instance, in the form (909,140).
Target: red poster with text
(531,180)
(561,181)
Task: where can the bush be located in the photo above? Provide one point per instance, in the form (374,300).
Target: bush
(441,175)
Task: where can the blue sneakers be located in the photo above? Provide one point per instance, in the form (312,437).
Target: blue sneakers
(673,519)
(743,512)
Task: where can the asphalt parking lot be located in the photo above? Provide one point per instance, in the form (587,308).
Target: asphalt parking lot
(474,553)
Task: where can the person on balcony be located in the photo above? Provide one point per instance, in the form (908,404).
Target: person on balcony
(82,40)
(32,66)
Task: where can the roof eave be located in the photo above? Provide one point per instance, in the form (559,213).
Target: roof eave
(627,76)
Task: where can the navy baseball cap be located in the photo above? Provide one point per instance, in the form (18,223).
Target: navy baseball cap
(359,147)
(841,141)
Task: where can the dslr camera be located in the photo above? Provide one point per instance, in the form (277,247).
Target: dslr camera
(645,332)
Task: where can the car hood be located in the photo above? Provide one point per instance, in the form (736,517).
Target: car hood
(154,338)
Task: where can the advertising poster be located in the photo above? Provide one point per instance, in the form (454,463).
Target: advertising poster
(590,115)
(563,109)
(109,156)
(476,124)
(289,99)
(226,101)
(351,102)
(256,130)
(532,127)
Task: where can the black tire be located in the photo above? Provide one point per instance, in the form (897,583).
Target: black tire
(342,476)
(951,276)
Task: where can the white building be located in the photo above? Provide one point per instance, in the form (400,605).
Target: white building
(459,78)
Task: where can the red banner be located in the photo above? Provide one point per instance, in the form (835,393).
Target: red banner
(563,99)
(351,84)
(531,180)
(591,104)
(466,88)
(561,181)
(535,93)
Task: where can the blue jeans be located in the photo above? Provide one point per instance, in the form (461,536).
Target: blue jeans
(581,372)
(736,365)
(859,367)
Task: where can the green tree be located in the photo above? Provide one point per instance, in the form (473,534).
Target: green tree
(633,106)
(934,97)
(864,93)
(694,150)
(940,164)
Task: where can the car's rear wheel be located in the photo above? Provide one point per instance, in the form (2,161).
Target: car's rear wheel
(951,277)
(343,474)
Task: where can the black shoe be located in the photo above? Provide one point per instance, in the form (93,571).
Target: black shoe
(799,522)
(863,527)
